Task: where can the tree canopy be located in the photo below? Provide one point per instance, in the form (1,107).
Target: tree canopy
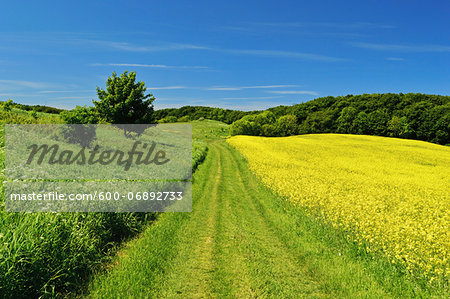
(412,115)
(124,100)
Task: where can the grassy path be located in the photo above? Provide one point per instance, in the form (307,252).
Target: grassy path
(240,241)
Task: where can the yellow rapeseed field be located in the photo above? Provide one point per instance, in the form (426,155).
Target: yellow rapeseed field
(391,196)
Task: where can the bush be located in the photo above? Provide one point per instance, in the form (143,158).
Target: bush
(199,151)
(245,126)
(7,106)
(286,125)
(265,124)
(80,129)
(183,119)
(269,130)
(33,114)
(81,115)
(168,119)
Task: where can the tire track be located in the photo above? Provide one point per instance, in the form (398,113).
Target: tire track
(191,273)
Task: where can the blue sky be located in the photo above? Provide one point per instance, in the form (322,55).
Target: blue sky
(234,54)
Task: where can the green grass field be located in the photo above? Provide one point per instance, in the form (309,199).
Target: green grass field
(241,240)
(244,241)
(44,254)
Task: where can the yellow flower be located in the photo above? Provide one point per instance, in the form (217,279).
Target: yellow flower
(390,194)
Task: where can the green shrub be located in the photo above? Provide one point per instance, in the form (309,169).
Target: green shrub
(80,115)
(42,254)
(168,119)
(199,151)
(269,130)
(286,125)
(183,119)
(265,124)
(33,114)
(7,106)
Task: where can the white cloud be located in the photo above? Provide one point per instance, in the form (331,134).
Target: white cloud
(224,88)
(402,48)
(157,66)
(64,91)
(70,98)
(354,25)
(124,46)
(28,84)
(293,92)
(271,86)
(55,91)
(29,87)
(167,87)
(289,54)
(395,59)
(324,29)
(253,98)
(231,88)
(15,95)
(176,46)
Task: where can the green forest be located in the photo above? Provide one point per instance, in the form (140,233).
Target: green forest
(412,116)
(188,113)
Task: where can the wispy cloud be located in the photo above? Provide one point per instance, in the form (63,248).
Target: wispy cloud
(289,54)
(14,95)
(272,86)
(24,86)
(293,92)
(252,98)
(235,28)
(324,29)
(395,59)
(224,88)
(55,91)
(63,91)
(129,47)
(231,88)
(176,46)
(69,98)
(352,25)
(156,66)
(167,87)
(401,48)
(27,84)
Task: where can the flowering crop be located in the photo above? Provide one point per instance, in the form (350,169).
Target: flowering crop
(390,196)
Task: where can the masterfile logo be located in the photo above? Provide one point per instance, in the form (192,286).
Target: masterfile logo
(98,168)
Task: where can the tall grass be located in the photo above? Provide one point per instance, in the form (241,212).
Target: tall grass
(199,151)
(43,254)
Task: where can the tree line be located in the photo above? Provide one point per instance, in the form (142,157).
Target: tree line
(189,113)
(37,108)
(412,116)
(124,101)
